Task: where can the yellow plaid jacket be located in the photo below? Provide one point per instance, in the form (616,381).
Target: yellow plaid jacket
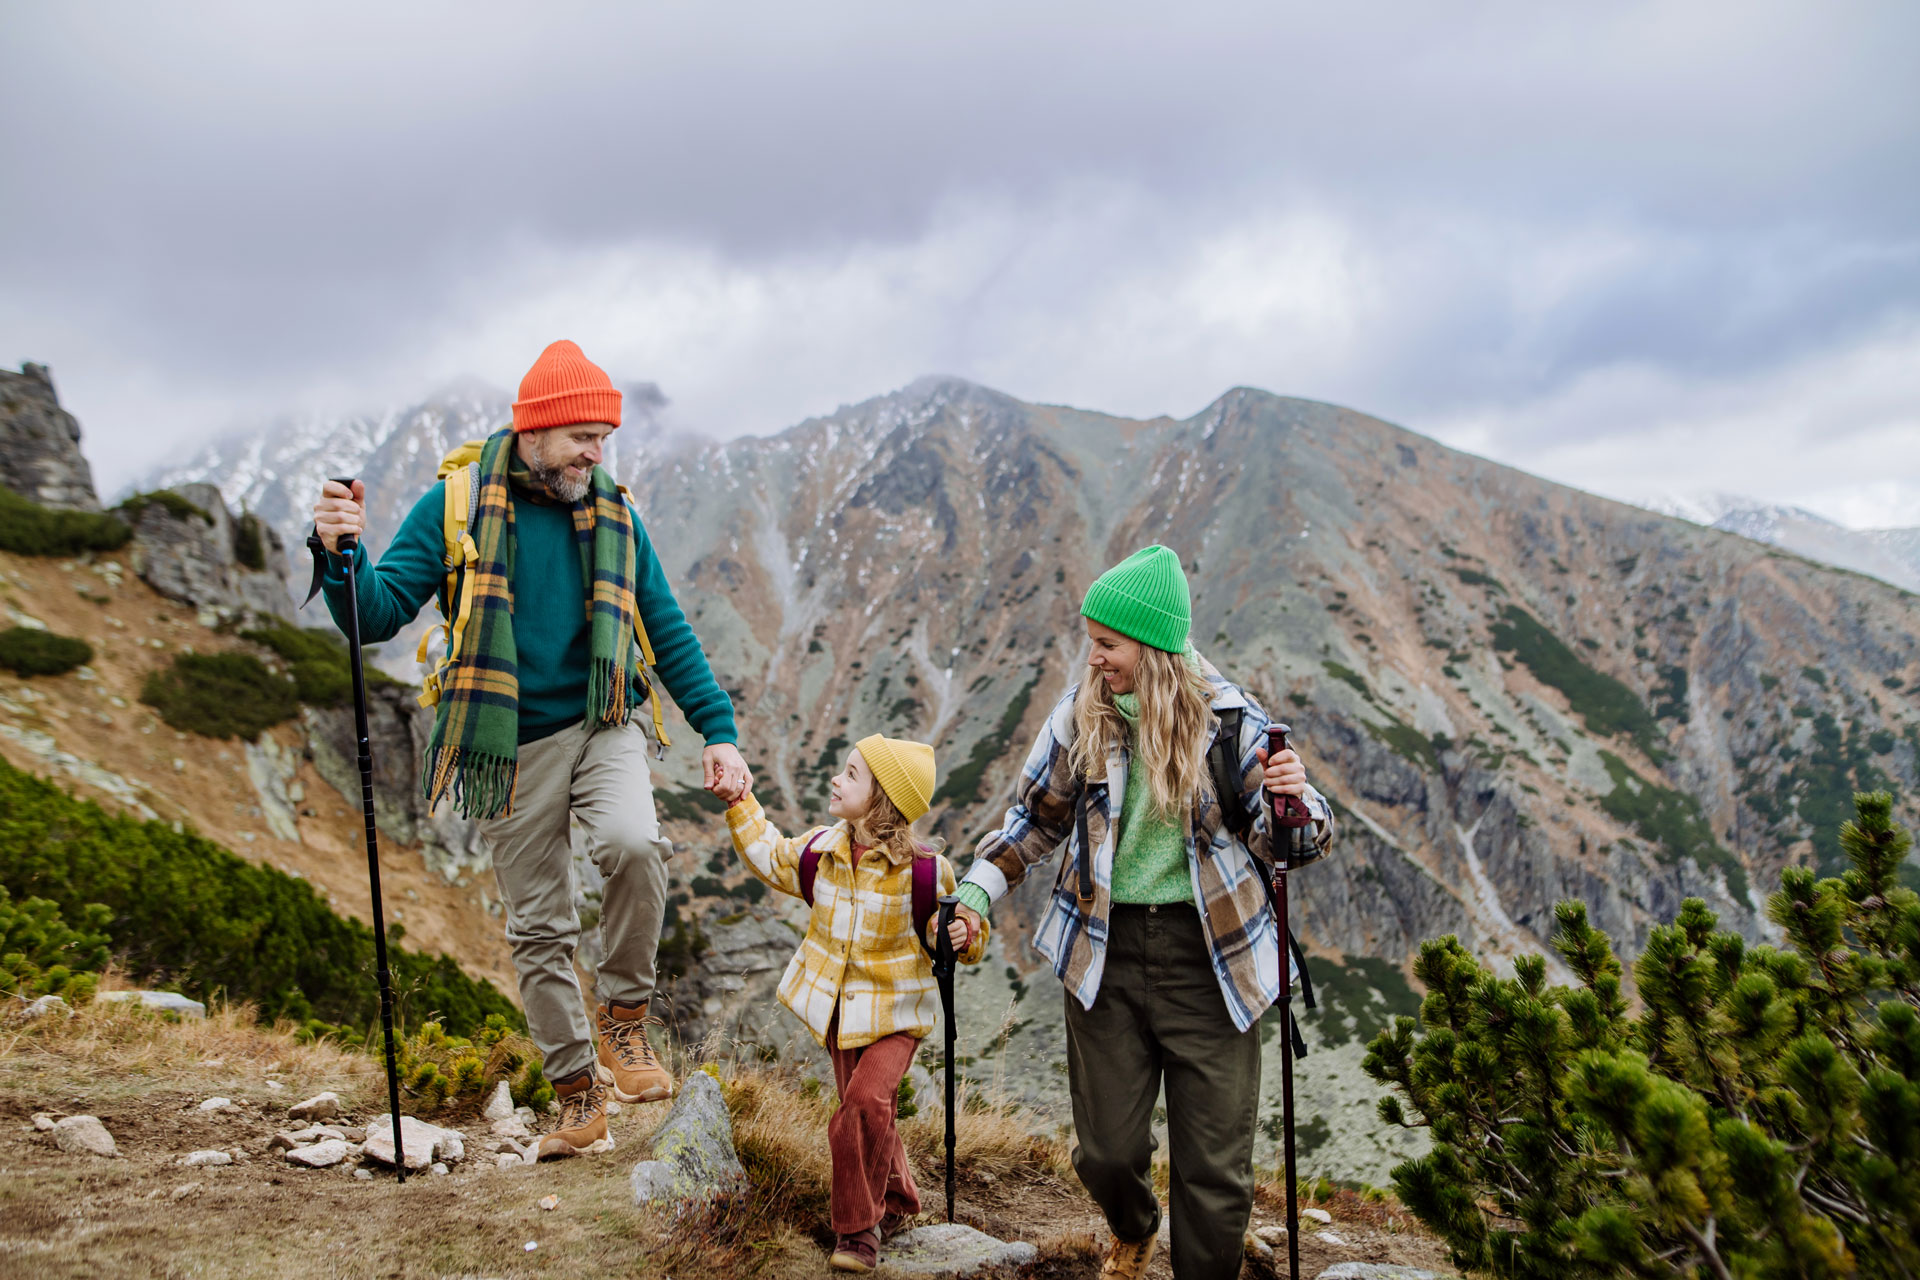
(859,955)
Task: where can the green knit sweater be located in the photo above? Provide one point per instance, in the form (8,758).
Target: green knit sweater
(1150,850)
(550,630)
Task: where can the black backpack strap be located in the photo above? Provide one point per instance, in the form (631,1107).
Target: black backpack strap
(1083,887)
(1223,762)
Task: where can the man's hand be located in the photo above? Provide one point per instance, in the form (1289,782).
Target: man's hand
(727,775)
(340,513)
(1284,773)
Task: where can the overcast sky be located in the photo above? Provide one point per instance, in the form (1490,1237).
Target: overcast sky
(1642,248)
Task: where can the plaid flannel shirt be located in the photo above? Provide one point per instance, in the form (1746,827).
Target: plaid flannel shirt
(1227,888)
(860,954)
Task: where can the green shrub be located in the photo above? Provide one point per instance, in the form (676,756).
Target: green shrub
(174,504)
(29,529)
(1758,1119)
(40,955)
(441,1072)
(184,909)
(1672,821)
(220,695)
(962,786)
(27,651)
(317,661)
(249,542)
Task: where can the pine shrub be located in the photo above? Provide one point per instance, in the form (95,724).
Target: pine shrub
(220,695)
(41,955)
(249,541)
(317,661)
(441,1072)
(1758,1118)
(183,910)
(177,506)
(27,651)
(29,529)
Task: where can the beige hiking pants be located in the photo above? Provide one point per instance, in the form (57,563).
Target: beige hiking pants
(599,776)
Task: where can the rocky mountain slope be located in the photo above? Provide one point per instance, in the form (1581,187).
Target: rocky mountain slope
(1514,691)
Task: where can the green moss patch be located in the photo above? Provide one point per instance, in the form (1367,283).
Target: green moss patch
(1608,706)
(963,785)
(220,695)
(29,529)
(1669,820)
(27,651)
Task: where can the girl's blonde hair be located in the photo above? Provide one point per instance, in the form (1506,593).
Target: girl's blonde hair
(884,826)
(1176,704)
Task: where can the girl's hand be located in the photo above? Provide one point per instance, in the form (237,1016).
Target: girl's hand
(726,772)
(960,930)
(1284,773)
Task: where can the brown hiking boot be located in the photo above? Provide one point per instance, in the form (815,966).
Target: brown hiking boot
(626,1060)
(583,1119)
(857,1252)
(1128,1259)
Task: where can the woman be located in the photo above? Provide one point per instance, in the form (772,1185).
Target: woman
(1159,924)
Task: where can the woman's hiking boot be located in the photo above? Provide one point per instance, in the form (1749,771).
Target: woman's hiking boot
(1128,1259)
(583,1119)
(857,1252)
(625,1057)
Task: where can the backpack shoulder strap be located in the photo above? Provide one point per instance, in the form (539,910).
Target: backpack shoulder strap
(809,867)
(459,553)
(646,648)
(926,884)
(1223,762)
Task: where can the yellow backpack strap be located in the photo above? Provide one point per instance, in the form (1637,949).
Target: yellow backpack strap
(460,554)
(646,658)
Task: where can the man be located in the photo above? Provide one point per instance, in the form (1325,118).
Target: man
(536,720)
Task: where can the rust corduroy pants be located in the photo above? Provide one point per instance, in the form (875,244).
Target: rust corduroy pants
(870,1174)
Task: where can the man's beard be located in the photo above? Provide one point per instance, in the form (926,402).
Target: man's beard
(556,481)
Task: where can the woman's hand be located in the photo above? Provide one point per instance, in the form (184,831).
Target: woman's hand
(1284,773)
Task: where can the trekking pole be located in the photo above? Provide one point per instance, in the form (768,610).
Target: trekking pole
(1289,814)
(943,961)
(373,840)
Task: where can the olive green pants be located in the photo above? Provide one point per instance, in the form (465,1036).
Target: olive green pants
(1160,1017)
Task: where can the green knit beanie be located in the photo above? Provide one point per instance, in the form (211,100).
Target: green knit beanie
(1144,597)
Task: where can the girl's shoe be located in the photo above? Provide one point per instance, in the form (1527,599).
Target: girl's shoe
(894,1223)
(857,1252)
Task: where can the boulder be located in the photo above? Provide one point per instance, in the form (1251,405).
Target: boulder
(322,1154)
(165,1001)
(1320,1216)
(192,552)
(216,1104)
(500,1105)
(1373,1271)
(321,1106)
(34,1010)
(693,1159)
(40,456)
(952,1249)
(511,1127)
(195,1159)
(84,1135)
(424,1143)
(43,1122)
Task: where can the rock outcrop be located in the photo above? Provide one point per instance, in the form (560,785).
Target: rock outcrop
(693,1160)
(190,548)
(40,443)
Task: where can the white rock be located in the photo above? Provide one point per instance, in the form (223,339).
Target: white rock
(437,1169)
(84,1135)
(511,1127)
(363,1174)
(1317,1215)
(952,1249)
(194,1159)
(184,1190)
(321,1106)
(275,1086)
(500,1105)
(43,1122)
(165,1001)
(214,1104)
(505,1161)
(1373,1271)
(1337,1241)
(320,1155)
(42,1007)
(1274,1236)
(526,1116)
(424,1143)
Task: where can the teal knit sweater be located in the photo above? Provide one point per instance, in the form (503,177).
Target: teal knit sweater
(550,630)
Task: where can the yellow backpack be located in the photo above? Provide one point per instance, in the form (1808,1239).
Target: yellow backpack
(461,470)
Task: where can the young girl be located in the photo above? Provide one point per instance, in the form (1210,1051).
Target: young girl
(862,981)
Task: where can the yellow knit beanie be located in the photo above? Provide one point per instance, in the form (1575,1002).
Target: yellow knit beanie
(904,771)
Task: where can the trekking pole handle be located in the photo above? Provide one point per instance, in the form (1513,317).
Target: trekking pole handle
(943,941)
(346,542)
(1288,810)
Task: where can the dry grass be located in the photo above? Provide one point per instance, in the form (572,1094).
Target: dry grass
(104,1042)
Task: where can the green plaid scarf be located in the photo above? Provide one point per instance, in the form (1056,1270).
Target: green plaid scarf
(473,753)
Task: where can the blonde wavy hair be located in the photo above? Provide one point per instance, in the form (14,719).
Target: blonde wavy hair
(884,826)
(1176,706)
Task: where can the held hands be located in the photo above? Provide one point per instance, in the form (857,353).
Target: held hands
(1284,773)
(962,929)
(726,772)
(340,513)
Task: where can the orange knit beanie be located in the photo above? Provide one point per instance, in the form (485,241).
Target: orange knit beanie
(562,388)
